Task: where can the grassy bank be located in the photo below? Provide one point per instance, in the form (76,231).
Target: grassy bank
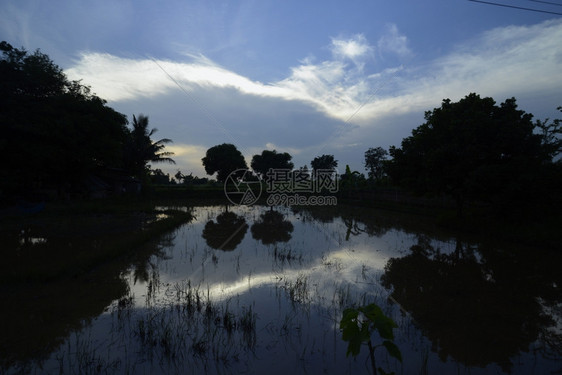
(70,239)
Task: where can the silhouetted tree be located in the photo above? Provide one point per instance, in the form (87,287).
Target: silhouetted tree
(223,159)
(471,149)
(140,149)
(181,178)
(374,162)
(270,160)
(351,179)
(160,178)
(324,162)
(551,133)
(59,131)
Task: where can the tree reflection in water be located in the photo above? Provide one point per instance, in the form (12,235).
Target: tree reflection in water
(477,312)
(226,233)
(42,314)
(272,228)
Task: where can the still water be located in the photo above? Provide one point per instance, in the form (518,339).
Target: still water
(258,290)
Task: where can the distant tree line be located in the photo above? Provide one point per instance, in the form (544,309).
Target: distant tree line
(470,151)
(226,158)
(58,135)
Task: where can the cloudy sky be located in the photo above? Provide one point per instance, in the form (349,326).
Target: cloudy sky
(304,77)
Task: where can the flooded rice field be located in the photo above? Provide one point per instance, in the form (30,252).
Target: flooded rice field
(256,290)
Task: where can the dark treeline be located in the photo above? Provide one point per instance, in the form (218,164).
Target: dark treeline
(471,153)
(225,158)
(62,140)
(476,151)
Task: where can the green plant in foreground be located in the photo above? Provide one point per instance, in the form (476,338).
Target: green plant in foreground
(359,324)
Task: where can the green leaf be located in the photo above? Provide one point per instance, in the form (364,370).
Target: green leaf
(351,331)
(384,326)
(385,332)
(354,347)
(349,317)
(393,350)
(371,312)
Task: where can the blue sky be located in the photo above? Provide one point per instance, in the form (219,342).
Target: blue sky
(308,78)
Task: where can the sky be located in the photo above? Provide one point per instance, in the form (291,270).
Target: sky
(304,77)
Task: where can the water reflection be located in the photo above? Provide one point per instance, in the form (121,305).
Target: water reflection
(46,295)
(180,307)
(226,233)
(142,262)
(272,228)
(358,220)
(356,224)
(477,312)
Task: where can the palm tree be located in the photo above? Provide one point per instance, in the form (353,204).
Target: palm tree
(140,149)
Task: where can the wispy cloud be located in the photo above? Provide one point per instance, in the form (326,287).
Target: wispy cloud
(395,42)
(15,23)
(331,86)
(504,60)
(356,49)
(318,95)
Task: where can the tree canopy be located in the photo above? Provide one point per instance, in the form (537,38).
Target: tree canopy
(374,162)
(271,160)
(140,149)
(472,149)
(58,134)
(324,162)
(55,131)
(223,159)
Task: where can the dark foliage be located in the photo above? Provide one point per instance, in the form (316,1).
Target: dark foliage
(374,162)
(474,150)
(324,162)
(223,159)
(140,149)
(54,131)
(57,134)
(271,160)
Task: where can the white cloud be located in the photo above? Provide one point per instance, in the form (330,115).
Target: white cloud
(503,61)
(303,110)
(394,42)
(356,49)
(119,79)
(272,146)
(116,78)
